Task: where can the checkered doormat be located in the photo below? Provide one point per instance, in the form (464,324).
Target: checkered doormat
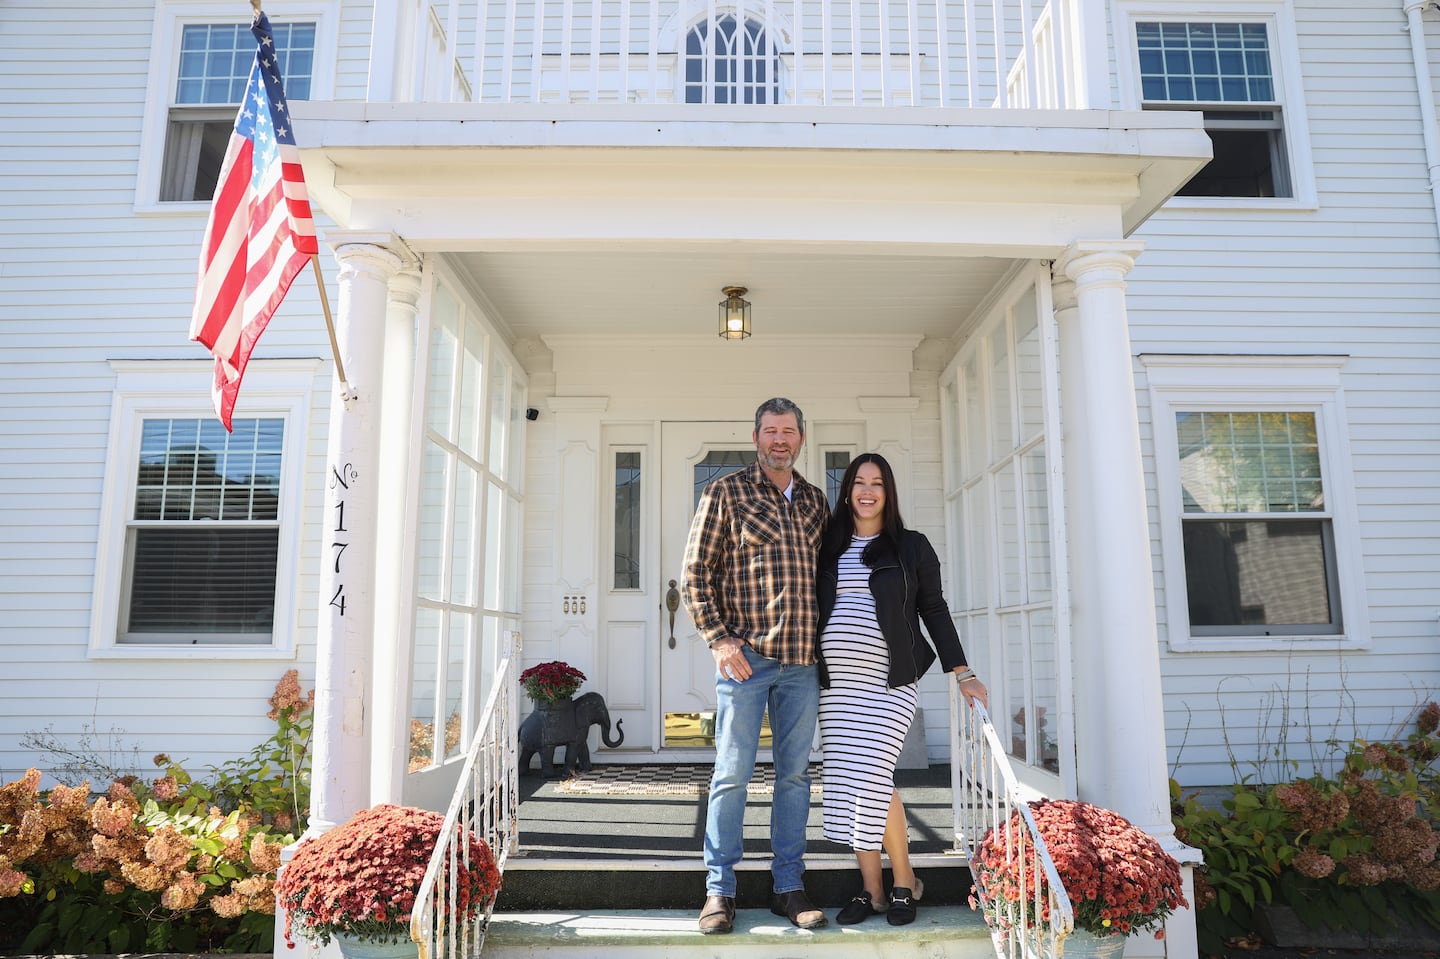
(654,780)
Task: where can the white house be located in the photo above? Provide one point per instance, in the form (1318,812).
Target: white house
(1139,296)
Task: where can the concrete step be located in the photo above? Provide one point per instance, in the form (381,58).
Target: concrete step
(535,883)
(940,932)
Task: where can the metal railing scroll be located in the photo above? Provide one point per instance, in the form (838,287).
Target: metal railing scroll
(1028,918)
(486,806)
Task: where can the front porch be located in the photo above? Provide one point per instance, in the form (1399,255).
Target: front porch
(621,875)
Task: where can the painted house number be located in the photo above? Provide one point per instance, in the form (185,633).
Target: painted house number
(340,480)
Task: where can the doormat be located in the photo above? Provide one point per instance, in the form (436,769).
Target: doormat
(655,780)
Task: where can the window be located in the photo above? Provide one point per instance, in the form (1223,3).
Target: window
(215,61)
(1229,63)
(999,505)
(200,60)
(200,527)
(1255,502)
(467,587)
(836,463)
(729,65)
(628,506)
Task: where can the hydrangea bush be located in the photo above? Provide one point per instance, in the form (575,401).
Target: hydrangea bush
(176,864)
(1354,850)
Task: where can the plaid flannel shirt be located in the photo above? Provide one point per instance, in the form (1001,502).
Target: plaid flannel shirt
(750,564)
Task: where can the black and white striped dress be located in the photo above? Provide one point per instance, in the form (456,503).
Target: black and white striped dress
(862,720)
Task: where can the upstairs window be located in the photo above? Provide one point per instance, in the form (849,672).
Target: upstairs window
(1226,70)
(214,65)
(730,65)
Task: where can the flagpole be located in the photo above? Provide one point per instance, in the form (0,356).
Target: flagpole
(346,393)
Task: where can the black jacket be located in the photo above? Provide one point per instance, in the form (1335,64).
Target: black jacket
(907,590)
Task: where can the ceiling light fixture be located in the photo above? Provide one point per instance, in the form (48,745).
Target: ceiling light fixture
(734,314)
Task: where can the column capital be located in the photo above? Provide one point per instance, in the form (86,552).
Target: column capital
(405,288)
(1083,258)
(369,259)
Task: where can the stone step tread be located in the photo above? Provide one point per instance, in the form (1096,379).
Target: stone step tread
(642,927)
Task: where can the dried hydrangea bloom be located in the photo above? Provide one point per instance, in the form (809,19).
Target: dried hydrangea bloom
(183,893)
(287,698)
(1313,863)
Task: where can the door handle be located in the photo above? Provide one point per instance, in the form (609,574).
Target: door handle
(672,603)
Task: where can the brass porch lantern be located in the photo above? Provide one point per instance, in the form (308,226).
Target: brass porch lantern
(734,314)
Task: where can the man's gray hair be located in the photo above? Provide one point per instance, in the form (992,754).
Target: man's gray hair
(779,406)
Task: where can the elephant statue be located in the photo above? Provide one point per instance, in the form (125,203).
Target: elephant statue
(566,724)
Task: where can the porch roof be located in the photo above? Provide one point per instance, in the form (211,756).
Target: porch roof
(596,196)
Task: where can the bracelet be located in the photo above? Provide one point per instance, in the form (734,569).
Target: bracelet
(966,676)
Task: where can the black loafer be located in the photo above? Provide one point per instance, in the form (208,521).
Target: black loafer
(857,910)
(902,909)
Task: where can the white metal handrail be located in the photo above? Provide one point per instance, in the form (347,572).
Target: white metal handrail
(485,805)
(987,798)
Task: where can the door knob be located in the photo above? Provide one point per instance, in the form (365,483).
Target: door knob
(672,603)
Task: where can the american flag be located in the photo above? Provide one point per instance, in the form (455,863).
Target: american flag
(260,233)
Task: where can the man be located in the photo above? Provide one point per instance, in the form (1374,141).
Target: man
(750,589)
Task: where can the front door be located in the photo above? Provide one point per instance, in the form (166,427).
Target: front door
(692,454)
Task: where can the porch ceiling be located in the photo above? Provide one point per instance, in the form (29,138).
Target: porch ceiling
(654,292)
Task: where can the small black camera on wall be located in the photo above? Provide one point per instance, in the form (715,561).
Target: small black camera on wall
(532,414)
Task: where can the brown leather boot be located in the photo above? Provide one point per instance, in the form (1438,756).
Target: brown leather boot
(717,915)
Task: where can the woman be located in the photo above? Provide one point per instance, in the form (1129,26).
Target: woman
(875,581)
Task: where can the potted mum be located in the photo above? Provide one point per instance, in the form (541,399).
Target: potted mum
(357,883)
(550,683)
(1118,878)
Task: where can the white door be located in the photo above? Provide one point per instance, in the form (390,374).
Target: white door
(692,454)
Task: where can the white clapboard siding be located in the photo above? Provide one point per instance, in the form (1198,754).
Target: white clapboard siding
(1357,276)
(83,281)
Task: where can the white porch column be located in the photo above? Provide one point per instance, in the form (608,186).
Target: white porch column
(1119,712)
(1119,722)
(394,641)
(340,760)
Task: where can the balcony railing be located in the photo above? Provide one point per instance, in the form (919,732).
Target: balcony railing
(485,804)
(986,796)
(934,53)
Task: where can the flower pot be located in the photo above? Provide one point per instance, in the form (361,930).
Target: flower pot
(401,947)
(557,719)
(1087,945)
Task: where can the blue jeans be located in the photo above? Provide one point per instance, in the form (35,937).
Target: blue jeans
(793,695)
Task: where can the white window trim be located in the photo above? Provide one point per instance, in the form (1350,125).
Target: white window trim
(171,18)
(170,389)
(1284,59)
(1278,383)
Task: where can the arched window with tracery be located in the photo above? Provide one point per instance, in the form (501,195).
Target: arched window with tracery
(728,64)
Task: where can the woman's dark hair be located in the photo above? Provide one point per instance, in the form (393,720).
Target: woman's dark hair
(842,522)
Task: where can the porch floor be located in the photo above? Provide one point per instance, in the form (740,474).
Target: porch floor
(628,851)
(637,821)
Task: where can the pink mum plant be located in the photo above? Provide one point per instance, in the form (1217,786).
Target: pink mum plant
(1118,878)
(360,879)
